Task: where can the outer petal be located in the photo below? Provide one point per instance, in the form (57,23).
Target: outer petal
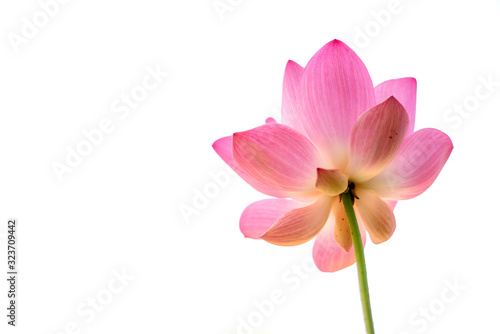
(327,254)
(405,91)
(299,225)
(376,214)
(223,147)
(289,107)
(418,163)
(259,216)
(277,156)
(335,89)
(331,181)
(376,138)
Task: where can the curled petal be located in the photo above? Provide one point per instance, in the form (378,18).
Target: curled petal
(415,167)
(259,216)
(405,91)
(376,138)
(334,90)
(342,230)
(299,225)
(376,214)
(328,255)
(331,181)
(277,156)
(223,147)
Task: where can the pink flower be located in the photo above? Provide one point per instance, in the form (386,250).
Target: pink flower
(338,132)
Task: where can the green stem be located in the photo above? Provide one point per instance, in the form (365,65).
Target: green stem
(360,261)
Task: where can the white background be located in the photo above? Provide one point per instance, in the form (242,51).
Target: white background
(119,209)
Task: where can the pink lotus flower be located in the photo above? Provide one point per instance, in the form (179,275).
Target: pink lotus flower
(339,133)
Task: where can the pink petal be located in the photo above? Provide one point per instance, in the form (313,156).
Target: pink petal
(331,181)
(415,167)
(392,204)
(270,120)
(299,225)
(223,147)
(376,214)
(405,91)
(289,108)
(277,156)
(376,138)
(335,89)
(259,216)
(327,254)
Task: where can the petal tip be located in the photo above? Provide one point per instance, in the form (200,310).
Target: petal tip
(237,136)
(339,45)
(221,145)
(337,42)
(393,100)
(346,247)
(216,144)
(292,63)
